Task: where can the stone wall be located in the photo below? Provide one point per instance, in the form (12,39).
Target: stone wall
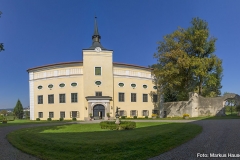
(198,106)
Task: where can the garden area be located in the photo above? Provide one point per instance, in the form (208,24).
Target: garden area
(89,141)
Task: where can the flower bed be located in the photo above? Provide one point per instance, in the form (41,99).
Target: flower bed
(124,125)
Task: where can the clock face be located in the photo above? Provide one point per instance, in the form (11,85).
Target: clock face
(98,49)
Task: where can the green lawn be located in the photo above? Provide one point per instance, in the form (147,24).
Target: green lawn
(88,141)
(24,122)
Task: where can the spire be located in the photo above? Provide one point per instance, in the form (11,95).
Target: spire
(96,37)
(95,27)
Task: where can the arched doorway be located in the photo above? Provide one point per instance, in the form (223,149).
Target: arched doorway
(98,111)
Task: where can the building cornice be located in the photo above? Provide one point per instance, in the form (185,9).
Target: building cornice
(99,98)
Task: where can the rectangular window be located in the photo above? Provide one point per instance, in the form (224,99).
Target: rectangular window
(50,98)
(122,113)
(74,97)
(145,113)
(145,98)
(133,113)
(155,98)
(51,115)
(98,93)
(61,98)
(40,99)
(121,97)
(40,114)
(98,71)
(155,112)
(133,97)
(74,114)
(62,114)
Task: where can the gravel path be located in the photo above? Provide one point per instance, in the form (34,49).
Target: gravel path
(7,151)
(218,137)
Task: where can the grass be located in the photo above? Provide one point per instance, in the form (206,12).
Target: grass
(88,141)
(25,122)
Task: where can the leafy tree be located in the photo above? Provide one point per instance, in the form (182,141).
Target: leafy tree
(187,63)
(1,44)
(18,110)
(230,104)
(4,112)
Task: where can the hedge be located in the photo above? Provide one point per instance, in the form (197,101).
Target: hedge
(124,125)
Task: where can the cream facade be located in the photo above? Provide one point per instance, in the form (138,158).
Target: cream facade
(94,86)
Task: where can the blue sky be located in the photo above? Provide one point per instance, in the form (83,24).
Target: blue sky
(40,32)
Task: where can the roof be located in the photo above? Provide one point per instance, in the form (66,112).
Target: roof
(75,62)
(54,64)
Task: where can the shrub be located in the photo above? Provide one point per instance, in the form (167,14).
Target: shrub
(123,117)
(185,115)
(146,117)
(154,115)
(108,115)
(238,108)
(10,118)
(37,119)
(61,119)
(125,125)
(74,119)
(49,119)
(134,117)
(4,120)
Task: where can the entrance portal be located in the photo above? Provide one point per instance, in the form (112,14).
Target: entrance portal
(98,111)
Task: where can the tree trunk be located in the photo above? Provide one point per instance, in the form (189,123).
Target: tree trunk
(200,86)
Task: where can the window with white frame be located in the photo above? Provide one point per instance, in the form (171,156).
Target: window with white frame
(145,113)
(51,115)
(50,99)
(145,98)
(40,99)
(122,113)
(98,93)
(40,114)
(133,97)
(74,97)
(133,113)
(62,98)
(62,114)
(98,71)
(74,114)
(121,97)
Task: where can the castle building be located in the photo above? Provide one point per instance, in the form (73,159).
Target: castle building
(95,86)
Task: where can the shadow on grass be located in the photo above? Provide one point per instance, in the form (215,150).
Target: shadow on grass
(76,141)
(26,122)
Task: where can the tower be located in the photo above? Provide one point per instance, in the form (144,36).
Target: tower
(97,76)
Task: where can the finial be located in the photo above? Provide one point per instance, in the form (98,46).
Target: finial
(95,33)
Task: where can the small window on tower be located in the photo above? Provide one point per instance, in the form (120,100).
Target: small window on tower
(98,71)
(98,93)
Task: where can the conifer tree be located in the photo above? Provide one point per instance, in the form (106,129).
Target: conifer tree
(18,110)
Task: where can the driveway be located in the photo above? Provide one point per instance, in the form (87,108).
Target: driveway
(219,138)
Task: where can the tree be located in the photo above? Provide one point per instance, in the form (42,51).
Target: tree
(186,62)
(4,112)
(1,44)
(18,110)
